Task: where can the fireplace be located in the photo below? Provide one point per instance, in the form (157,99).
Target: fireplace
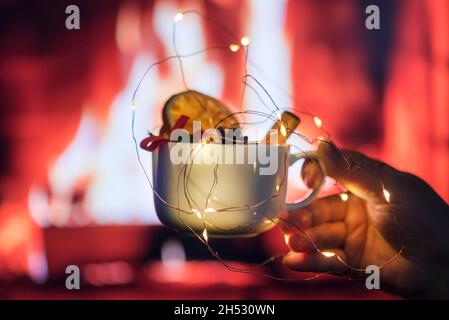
(68,160)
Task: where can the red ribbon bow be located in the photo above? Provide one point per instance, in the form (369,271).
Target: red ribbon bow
(151,143)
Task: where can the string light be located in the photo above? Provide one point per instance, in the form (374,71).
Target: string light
(279,115)
(317,121)
(205,236)
(197,213)
(386,195)
(328,254)
(244,41)
(234,47)
(344,196)
(283,130)
(178,17)
(287,238)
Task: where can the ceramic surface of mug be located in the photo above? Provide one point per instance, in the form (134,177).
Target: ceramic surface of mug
(230,198)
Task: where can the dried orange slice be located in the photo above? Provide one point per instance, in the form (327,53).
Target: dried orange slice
(199,107)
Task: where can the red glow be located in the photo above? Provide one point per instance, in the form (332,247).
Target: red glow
(203,274)
(417,96)
(52,78)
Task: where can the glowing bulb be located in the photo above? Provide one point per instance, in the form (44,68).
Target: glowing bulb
(317,121)
(178,17)
(344,196)
(386,195)
(320,138)
(277,188)
(234,47)
(244,41)
(133,105)
(286,238)
(209,210)
(205,235)
(197,213)
(327,254)
(254,166)
(283,130)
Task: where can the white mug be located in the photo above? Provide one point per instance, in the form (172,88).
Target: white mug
(229,200)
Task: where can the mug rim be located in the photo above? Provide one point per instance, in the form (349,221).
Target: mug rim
(285,145)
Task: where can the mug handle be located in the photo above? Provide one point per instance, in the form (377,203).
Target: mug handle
(312,196)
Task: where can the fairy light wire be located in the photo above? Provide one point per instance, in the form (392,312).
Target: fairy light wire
(185,172)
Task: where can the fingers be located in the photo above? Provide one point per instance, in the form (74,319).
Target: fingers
(361,175)
(327,209)
(324,236)
(311,173)
(316,262)
(294,221)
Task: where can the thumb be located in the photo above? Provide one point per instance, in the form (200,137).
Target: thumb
(361,175)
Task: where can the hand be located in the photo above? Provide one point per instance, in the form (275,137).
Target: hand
(368,230)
